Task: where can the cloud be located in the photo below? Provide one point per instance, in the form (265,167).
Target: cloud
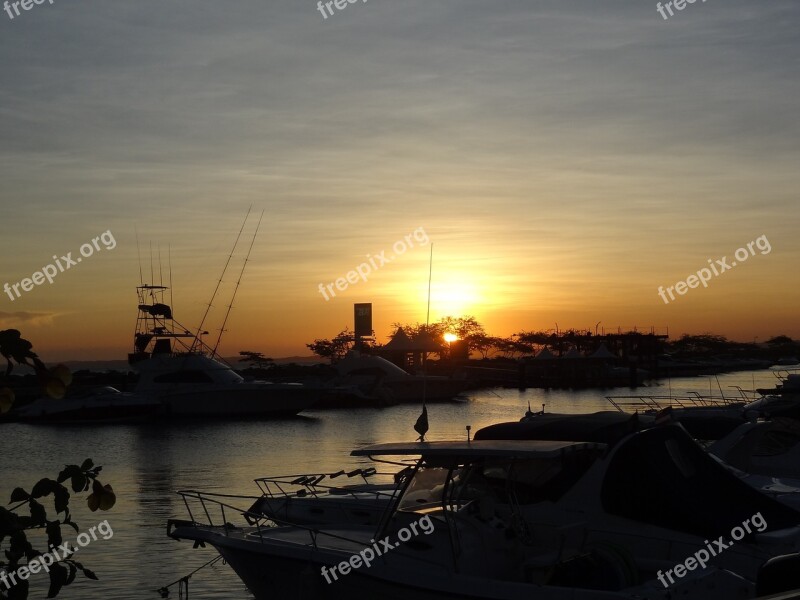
(22,316)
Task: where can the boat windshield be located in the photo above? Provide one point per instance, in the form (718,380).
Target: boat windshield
(425,489)
(503,481)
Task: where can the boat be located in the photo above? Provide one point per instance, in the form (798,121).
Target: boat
(789,384)
(368,380)
(763,447)
(787,361)
(510,519)
(320,498)
(100,404)
(189,379)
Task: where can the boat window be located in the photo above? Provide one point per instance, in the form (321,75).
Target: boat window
(426,488)
(184,377)
(525,481)
(776,442)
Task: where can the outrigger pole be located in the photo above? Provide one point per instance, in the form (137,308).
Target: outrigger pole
(219,282)
(238,281)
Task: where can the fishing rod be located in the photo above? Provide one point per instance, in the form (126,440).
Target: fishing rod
(219,282)
(236,289)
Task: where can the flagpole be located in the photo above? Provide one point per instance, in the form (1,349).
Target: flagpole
(427,325)
(421,426)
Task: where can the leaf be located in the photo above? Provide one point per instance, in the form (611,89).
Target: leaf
(61,499)
(6,400)
(87,464)
(44,487)
(19,495)
(72,572)
(18,547)
(54,537)
(68,472)
(58,579)
(102,497)
(108,498)
(87,572)
(19,591)
(38,513)
(79,483)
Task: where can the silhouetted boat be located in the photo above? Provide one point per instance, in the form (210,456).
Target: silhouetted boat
(190,381)
(516,519)
(95,405)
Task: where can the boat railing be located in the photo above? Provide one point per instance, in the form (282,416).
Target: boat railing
(653,403)
(214,510)
(201,501)
(316,484)
(217,509)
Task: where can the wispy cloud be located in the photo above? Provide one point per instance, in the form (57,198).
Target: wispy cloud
(23,316)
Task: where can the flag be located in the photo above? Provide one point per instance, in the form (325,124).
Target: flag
(421,426)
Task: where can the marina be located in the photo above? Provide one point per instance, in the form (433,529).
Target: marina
(415,301)
(149,463)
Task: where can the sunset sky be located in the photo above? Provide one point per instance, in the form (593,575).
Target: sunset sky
(566,158)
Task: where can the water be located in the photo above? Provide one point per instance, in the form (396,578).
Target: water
(146,464)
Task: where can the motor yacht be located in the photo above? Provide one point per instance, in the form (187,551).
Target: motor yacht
(554,520)
(179,370)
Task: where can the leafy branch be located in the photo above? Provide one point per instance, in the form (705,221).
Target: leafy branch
(15,525)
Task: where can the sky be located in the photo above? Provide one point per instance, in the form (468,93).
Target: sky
(564,158)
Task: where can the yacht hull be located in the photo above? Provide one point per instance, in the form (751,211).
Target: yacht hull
(268,400)
(271,575)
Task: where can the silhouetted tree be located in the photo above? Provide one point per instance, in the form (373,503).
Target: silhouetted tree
(336,348)
(257,360)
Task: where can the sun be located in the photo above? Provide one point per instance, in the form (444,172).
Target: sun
(450,337)
(454,297)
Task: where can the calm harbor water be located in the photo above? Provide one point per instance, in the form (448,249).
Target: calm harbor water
(147,463)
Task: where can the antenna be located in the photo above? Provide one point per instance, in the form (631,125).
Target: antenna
(160,272)
(152,279)
(219,281)
(421,426)
(169,261)
(236,289)
(430,276)
(139,256)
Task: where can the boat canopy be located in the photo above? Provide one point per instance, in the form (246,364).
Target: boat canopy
(663,477)
(606,427)
(480,449)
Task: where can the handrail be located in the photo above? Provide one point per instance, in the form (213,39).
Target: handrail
(260,521)
(656,403)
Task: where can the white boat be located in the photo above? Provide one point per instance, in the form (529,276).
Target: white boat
(763,447)
(322,498)
(517,519)
(370,380)
(789,384)
(176,368)
(103,404)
